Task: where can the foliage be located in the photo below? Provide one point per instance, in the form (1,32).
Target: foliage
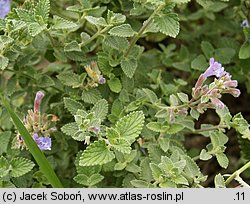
(129,85)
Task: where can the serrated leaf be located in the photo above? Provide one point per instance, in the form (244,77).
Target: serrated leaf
(219,181)
(96,21)
(70,129)
(157,127)
(115,85)
(100,109)
(244,50)
(88,180)
(204,155)
(156,171)
(120,166)
(96,154)
(116,42)
(146,173)
(70,79)
(222,160)
(168,24)
(72,105)
(130,126)
(25,15)
(4,167)
(4,61)
(91,96)
(164,143)
(117,142)
(124,30)
(115,18)
(4,141)
(62,24)
(42,9)
(5,40)
(20,166)
(151,96)
(129,66)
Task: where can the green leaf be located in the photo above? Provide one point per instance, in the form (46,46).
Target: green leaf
(70,79)
(129,66)
(175,128)
(117,43)
(33,148)
(164,143)
(224,55)
(204,155)
(168,24)
(88,180)
(130,126)
(183,97)
(4,167)
(115,85)
(96,21)
(42,9)
(123,30)
(133,168)
(70,129)
(156,172)
(151,96)
(157,127)
(120,166)
(96,154)
(146,173)
(4,61)
(194,113)
(20,166)
(207,49)
(62,24)
(115,18)
(180,179)
(119,143)
(25,15)
(219,181)
(244,50)
(222,160)
(45,81)
(4,141)
(199,63)
(72,105)
(100,109)
(4,41)
(91,96)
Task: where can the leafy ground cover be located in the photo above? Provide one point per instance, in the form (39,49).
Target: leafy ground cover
(117,93)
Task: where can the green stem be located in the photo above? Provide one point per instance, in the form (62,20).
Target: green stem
(143,28)
(52,41)
(97,34)
(237,173)
(209,128)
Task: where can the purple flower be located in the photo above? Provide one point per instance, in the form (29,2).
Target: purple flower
(245,23)
(44,143)
(233,91)
(94,129)
(102,80)
(37,102)
(215,69)
(4,8)
(217,103)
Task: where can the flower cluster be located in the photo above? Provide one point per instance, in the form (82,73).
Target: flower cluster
(4,8)
(95,74)
(40,126)
(209,95)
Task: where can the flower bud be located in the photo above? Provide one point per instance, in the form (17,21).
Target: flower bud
(217,103)
(233,91)
(38,100)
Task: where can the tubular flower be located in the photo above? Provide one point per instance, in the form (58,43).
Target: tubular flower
(215,69)
(4,8)
(39,125)
(95,74)
(245,23)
